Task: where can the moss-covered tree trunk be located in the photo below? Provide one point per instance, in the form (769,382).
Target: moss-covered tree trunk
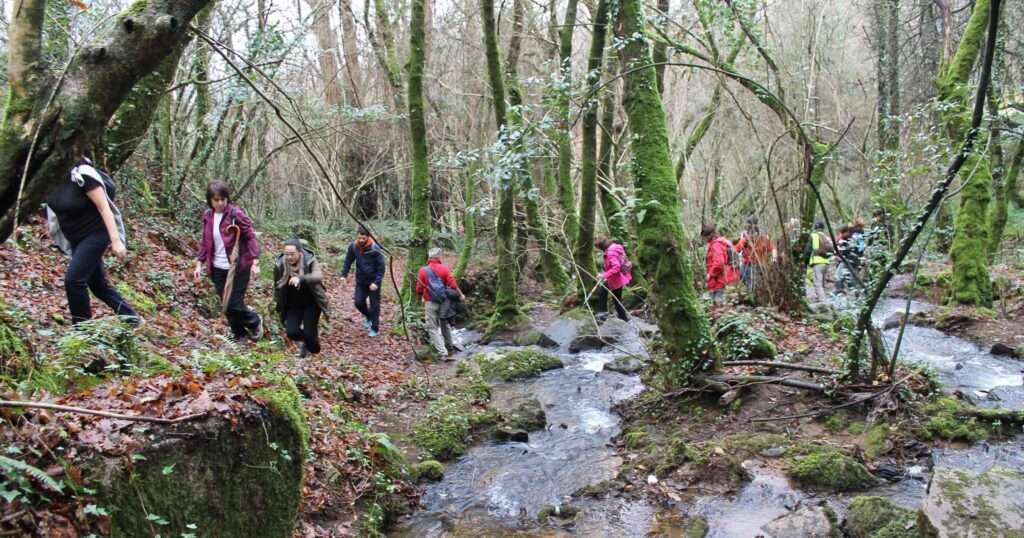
(614,216)
(383,43)
(506,305)
(584,248)
(468,225)
(969,251)
(1012,175)
(420,187)
(662,257)
(95,85)
(566,192)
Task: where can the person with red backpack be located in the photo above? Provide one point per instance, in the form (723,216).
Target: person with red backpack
(617,273)
(720,262)
(435,285)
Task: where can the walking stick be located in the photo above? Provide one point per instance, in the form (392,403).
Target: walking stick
(229,283)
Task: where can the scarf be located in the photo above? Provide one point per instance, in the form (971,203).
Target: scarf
(290,270)
(365,245)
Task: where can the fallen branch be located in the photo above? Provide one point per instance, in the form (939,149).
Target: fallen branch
(835,408)
(783,365)
(107,414)
(768,380)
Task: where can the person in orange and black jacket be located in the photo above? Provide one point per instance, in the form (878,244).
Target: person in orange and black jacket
(370,265)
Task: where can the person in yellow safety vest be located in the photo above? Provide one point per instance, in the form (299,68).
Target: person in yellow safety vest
(821,249)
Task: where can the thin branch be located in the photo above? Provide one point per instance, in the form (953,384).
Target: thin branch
(107,414)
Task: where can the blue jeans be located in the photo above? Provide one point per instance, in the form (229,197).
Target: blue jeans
(368,303)
(86,273)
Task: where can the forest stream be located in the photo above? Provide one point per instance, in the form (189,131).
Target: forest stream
(499,488)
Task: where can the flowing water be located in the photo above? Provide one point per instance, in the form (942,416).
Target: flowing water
(497,489)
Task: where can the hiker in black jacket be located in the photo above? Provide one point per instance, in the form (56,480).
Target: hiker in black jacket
(370,265)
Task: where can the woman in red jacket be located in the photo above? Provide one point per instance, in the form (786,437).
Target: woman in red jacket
(223,224)
(720,272)
(616,275)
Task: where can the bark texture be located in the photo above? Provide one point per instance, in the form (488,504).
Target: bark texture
(420,187)
(682,321)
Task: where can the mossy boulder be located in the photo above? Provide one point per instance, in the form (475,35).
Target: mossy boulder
(829,470)
(963,503)
(236,477)
(451,420)
(807,521)
(738,339)
(528,416)
(533,337)
(877,517)
(430,470)
(953,420)
(515,365)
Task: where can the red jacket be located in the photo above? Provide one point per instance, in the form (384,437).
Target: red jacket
(719,273)
(755,251)
(250,248)
(442,272)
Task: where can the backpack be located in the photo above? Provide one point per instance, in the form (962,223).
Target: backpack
(53,223)
(626,267)
(732,257)
(438,291)
(823,244)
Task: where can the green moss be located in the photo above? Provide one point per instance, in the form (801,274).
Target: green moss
(946,421)
(225,480)
(831,470)
(838,421)
(431,470)
(141,302)
(513,365)
(737,339)
(445,430)
(675,455)
(286,400)
(696,527)
(11,344)
(635,439)
(877,517)
(875,441)
(857,428)
(755,442)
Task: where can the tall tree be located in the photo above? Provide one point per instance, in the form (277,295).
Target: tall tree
(584,254)
(421,188)
(684,326)
(969,251)
(506,305)
(350,52)
(58,118)
(566,192)
(327,44)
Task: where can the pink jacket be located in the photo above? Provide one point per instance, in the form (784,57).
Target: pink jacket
(250,248)
(613,275)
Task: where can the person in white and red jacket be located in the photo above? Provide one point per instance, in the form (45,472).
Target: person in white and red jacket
(614,278)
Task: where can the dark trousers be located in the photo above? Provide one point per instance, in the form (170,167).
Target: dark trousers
(602,301)
(368,303)
(241,319)
(303,323)
(86,273)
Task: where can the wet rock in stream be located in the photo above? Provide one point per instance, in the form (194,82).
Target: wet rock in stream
(804,522)
(625,365)
(1005,350)
(964,503)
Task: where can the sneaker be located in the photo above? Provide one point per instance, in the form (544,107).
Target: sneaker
(367,324)
(373,333)
(258,333)
(303,352)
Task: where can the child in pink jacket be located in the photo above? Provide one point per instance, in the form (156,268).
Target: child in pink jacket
(617,273)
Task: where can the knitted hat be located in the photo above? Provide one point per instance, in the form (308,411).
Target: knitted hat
(434,253)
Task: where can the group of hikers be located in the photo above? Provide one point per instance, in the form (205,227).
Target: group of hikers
(84,221)
(753,254)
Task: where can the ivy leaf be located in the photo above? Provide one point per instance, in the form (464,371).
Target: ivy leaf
(169,469)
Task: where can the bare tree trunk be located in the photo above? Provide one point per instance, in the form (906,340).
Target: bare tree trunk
(350,51)
(327,43)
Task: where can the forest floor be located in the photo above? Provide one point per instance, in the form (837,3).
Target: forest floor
(345,386)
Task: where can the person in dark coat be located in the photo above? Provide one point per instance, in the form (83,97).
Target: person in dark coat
(300,295)
(86,219)
(370,265)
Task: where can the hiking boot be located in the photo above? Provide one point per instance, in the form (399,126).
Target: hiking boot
(303,351)
(258,333)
